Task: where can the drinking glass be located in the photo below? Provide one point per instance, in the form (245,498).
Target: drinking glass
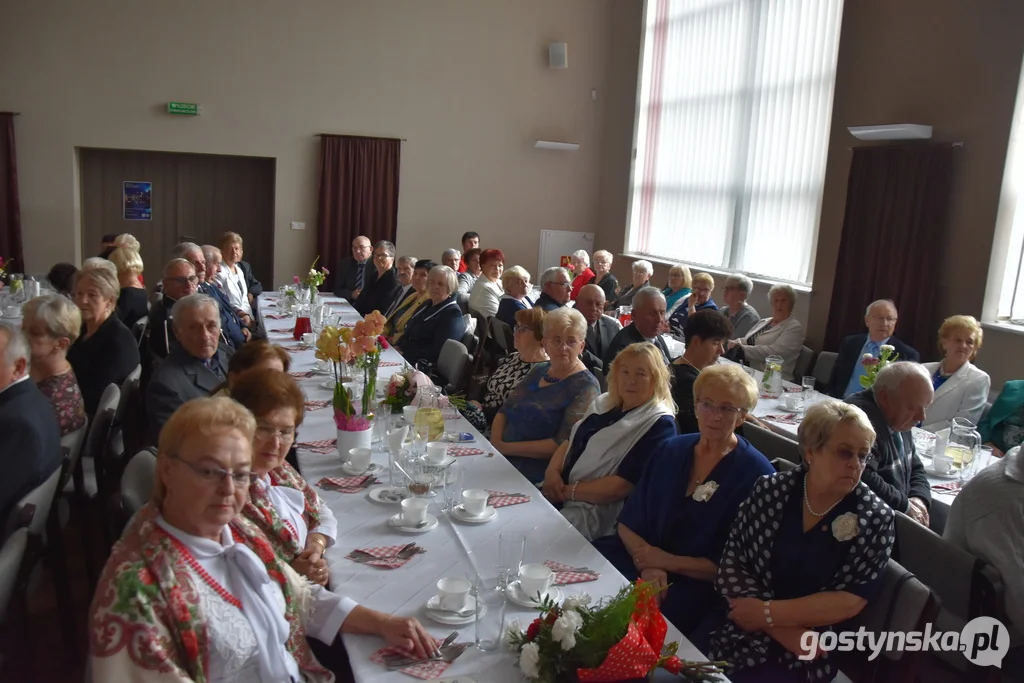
(490,622)
(318,315)
(808,384)
(454,482)
(511,547)
(381,424)
(423,477)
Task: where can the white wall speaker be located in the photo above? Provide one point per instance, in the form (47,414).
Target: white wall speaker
(558,55)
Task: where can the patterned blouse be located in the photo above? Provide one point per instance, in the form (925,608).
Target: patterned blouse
(66,397)
(511,372)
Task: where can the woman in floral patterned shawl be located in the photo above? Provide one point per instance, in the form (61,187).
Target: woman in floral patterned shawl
(808,550)
(163,610)
(295,520)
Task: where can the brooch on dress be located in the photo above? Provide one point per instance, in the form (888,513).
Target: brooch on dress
(703,493)
(844,527)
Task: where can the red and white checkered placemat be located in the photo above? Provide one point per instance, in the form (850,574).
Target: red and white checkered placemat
(347,484)
(389,363)
(500,499)
(424,671)
(564,574)
(305,374)
(282,330)
(456,451)
(274,316)
(318,404)
(295,349)
(950,487)
(385,551)
(323,446)
(787,419)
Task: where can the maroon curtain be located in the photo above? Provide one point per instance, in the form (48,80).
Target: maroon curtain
(10,209)
(897,211)
(358,194)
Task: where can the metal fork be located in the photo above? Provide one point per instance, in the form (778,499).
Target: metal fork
(450,654)
(401,661)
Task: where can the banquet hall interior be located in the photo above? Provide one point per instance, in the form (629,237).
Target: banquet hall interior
(821,161)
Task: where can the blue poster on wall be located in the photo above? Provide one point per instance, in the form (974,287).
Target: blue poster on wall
(138,201)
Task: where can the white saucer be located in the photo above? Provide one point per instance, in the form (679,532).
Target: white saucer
(388,495)
(328,384)
(782,406)
(448,460)
(396,523)
(435,612)
(952,474)
(374,468)
(459,513)
(326,371)
(514,592)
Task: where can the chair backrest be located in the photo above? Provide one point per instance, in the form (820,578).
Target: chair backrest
(823,367)
(129,392)
(803,364)
(41,499)
(782,465)
(99,432)
(770,444)
(502,335)
(137,480)
(453,363)
(73,443)
(11,555)
(139,327)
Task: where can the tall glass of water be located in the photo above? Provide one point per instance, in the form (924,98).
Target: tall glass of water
(490,615)
(511,547)
(808,383)
(454,482)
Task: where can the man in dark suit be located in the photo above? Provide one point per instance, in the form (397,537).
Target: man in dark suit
(898,400)
(234,332)
(600,328)
(381,288)
(179,281)
(648,325)
(352,271)
(555,287)
(405,267)
(29,433)
(195,365)
(880,319)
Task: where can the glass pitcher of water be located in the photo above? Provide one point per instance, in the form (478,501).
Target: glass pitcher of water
(964,441)
(429,424)
(771,379)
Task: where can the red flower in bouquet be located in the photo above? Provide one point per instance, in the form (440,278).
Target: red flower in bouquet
(533,630)
(382,340)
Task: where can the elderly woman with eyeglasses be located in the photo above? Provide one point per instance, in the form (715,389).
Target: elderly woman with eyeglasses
(642,272)
(808,550)
(780,335)
(236,280)
(486,293)
(52,324)
(674,525)
(437,321)
(680,283)
(699,300)
(582,274)
(961,388)
(194,591)
(516,283)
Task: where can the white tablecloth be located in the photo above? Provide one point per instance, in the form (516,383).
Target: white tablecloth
(404,591)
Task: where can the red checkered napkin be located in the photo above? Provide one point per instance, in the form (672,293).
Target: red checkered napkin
(306,374)
(274,316)
(387,552)
(424,671)
(789,419)
(347,324)
(947,487)
(500,499)
(317,405)
(295,349)
(564,574)
(323,446)
(347,484)
(389,363)
(793,390)
(281,330)
(456,451)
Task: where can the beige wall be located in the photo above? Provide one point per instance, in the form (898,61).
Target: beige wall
(465,81)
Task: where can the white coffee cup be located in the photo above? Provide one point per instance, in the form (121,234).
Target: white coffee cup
(414,511)
(792,401)
(942,463)
(535,579)
(452,594)
(359,458)
(437,452)
(309,339)
(474,501)
(410,414)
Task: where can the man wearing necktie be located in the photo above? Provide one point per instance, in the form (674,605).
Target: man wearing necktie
(350,276)
(880,319)
(405,266)
(601,329)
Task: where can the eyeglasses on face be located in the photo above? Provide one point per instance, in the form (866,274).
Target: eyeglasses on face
(846,455)
(709,408)
(268,432)
(381,257)
(190,280)
(522,328)
(565,285)
(890,320)
(213,476)
(558,342)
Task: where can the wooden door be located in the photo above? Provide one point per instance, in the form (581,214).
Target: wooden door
(195,198)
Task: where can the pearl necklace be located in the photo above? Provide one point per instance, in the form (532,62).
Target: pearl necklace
(807,504)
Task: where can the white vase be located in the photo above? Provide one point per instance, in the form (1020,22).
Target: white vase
(349,440)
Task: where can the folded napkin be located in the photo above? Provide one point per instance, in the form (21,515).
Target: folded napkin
(500,499)
(323,446)
(565,575)
(317,405)
(295,349)
(456,451)
(274,316)
(947,487)
(387,553)
(793,390)
(787,419)
(389,363)
(424,671)
(346,324)
(348,484)
(281,330)
(302,374)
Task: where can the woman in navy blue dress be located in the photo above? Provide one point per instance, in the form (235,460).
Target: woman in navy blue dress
(539,415)
(439,320)
(808,550)
(674,526)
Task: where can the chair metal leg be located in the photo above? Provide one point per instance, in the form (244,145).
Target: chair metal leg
(54,552)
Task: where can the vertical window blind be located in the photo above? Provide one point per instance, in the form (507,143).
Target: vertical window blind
(732,130)
(1010,222)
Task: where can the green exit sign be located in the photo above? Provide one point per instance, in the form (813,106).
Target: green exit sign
(187,108)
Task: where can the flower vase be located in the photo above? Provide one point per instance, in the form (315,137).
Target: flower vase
(312,295)
(349,440)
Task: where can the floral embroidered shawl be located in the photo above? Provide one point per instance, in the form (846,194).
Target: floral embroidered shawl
(145,623)
(745,567)
(261,511)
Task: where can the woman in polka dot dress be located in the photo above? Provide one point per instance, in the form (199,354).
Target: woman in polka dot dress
(807,551)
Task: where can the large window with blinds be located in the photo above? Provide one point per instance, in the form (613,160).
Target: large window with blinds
(732,130)
(1008,248)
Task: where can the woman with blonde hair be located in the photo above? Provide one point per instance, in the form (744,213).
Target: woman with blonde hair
(699,300)
(127,240)
(516,283)
(596,469)
(674,525)
(236,280)
(106,352)
(52,323)
(132,303)
(680,282)
(961,388)
(780,335)
(642,271)
(582,274)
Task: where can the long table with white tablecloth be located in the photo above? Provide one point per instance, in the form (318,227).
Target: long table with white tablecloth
(405,591)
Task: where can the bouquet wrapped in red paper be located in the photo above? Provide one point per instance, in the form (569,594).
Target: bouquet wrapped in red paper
(619,639)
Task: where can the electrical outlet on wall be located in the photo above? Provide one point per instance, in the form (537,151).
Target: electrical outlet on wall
(297,225)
